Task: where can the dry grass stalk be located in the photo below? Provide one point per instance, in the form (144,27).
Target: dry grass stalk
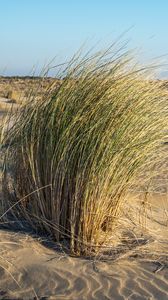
(89,138)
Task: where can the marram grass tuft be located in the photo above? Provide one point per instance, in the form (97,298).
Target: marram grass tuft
(75,152)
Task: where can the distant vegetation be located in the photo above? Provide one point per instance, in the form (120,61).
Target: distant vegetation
(23,85)
(74,153)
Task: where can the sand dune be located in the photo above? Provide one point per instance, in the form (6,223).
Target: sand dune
(31,270)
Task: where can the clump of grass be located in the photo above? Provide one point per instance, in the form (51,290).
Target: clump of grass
(86,141)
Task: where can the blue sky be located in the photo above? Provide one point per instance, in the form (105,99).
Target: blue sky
(32,32)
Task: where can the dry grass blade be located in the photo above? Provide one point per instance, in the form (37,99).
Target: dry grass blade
(90,138)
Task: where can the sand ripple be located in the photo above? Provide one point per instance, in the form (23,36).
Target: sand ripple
(31,271)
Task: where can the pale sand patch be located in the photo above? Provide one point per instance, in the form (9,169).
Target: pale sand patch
(30,270)
(6,105)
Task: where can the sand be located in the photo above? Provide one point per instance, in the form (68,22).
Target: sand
(32,268)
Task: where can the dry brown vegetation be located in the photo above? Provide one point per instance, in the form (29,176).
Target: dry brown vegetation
(75,152)
(23,85)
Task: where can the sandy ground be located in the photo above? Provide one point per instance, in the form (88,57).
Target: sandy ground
(32,269)
(6,105)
